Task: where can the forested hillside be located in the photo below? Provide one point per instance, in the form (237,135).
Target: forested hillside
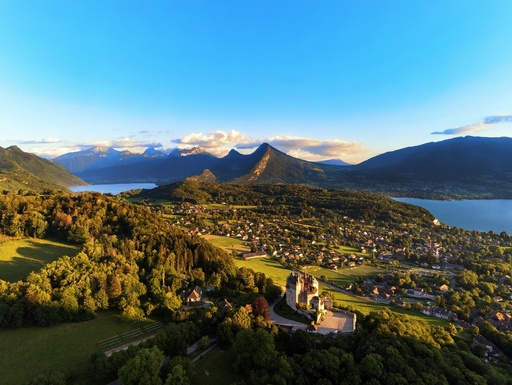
(131,260)
(21,170)
(294,199)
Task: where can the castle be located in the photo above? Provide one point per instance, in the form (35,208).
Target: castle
(302,288)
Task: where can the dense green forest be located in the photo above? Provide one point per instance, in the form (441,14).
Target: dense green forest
(131,260)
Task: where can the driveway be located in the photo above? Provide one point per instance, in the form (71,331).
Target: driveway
(279,320)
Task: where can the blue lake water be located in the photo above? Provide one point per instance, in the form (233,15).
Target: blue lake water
(481,215)
(113,188)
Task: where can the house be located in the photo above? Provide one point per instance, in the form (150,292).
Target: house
(418,291)
(440,312)
(490,348)
(257,254)
(190,296)
(224,305)
(443,288)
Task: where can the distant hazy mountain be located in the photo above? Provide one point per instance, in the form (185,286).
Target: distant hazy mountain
(21,170)
(334,162)
(159,169)
(98,157)
(186,152)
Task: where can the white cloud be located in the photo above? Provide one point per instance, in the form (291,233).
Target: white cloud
(487,123)
(314,149)
(212,140)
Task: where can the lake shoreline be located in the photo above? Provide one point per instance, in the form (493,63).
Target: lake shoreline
(470,214)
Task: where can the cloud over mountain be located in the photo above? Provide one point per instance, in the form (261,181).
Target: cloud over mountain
(486,123)
(214,139)
(306,148)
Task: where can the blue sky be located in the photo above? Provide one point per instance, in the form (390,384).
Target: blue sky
(318,80)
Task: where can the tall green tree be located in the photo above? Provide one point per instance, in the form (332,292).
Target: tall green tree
(143,369)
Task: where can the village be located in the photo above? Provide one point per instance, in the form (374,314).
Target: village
(422,269)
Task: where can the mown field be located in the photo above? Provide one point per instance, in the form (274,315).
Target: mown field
(26,352)
(228,243)
(270,266)
(19,257)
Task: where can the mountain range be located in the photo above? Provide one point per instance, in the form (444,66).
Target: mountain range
(464,167)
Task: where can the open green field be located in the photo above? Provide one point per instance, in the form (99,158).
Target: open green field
(271,267)
(228,244)
(19,257)
(346,275)
(216,368)
(27,352)
(349,250)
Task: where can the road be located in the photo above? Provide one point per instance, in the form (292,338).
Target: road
(277,319)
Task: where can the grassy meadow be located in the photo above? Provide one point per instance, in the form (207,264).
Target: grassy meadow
(68,347)
(270,266)
(229,244)
(20,256)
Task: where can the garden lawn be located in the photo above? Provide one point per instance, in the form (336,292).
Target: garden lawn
(19,257)
(216,368)
(27,352)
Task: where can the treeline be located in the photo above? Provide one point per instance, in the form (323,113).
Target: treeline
(386,348)
(131,260)
(295,199)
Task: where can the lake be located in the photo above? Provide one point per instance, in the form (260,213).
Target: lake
(480,215)
(113,188)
